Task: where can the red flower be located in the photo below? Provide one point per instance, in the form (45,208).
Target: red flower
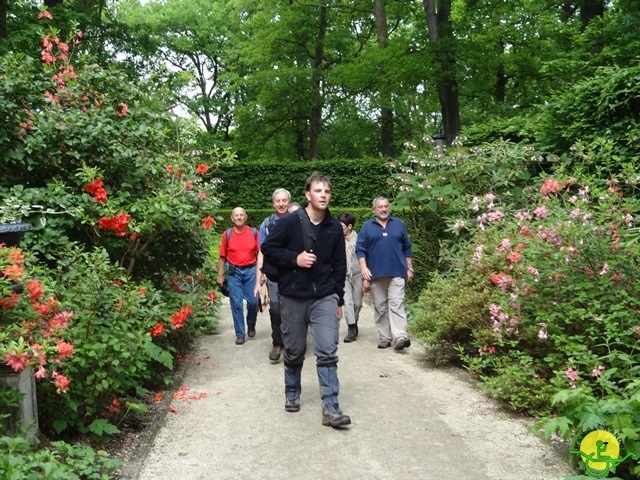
(44,14)
(61,381)
(60,320)
(123,110)
(157,330)
(208,223)
(117,224)
(14,272)
(213,296)
(8,303)
(179,318)
(202,169)
(35,290)
(65,349)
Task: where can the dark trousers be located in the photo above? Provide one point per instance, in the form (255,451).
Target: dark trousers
(274,314)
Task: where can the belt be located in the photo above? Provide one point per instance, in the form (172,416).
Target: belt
(244,266)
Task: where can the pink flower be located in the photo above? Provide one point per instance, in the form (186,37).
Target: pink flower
(597,372)
(572,375)
(16,360)
(505,245)
(550,186)
(41,372)
(495,216)
(541,212)
(542,334)
(44,14)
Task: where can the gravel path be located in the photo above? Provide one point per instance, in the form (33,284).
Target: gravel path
(409,420)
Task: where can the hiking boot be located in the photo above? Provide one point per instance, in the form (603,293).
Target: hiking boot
(239,340)
(292,404)
(333,416)
(274,354)
(384,344)
(251,332)
(352,334)
(402,343)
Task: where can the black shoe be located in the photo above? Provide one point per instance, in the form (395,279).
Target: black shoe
(402,343)
(251,332)
(352,334)
(335,419)
(384,344)
(292,404)
(274,354)
(240,341)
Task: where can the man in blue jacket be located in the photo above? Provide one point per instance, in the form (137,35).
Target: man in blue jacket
(311,289)
(384,252)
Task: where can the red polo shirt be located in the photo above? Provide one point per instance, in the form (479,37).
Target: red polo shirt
(242,249)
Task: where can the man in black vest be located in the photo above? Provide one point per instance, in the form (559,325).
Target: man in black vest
(311,289)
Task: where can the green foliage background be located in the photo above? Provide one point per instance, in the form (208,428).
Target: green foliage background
(355,182)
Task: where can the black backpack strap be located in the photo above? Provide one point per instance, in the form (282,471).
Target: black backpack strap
(307,231)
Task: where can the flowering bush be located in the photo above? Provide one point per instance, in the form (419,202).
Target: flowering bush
(543,300)
(83,139)
(126,341)
(115,157)
(33,327)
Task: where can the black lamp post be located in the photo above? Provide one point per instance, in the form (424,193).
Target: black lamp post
(440,139)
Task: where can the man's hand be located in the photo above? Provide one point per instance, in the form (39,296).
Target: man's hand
(339,313)
(409,275)
(306,259)
(366,273)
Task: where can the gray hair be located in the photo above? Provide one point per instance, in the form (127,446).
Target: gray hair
(280,190)
(377,199)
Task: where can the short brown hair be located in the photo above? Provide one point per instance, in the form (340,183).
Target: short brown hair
(316,177)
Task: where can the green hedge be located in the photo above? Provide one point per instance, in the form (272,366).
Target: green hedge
(355,182)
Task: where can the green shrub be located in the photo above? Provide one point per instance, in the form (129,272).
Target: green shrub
(355,182)
(124,341)
(21,460)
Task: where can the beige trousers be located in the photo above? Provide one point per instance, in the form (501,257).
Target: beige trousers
(387,294)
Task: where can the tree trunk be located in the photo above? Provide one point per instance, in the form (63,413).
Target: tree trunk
(3,20)
(387,147)
(315,118)
(441,38)
(589,10)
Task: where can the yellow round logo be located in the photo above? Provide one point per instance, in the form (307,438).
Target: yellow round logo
(600,445)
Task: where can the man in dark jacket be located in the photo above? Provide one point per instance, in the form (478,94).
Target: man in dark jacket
(311,290)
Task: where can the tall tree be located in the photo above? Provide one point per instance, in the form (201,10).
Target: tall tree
(443,42)
(192,39)
(387,147)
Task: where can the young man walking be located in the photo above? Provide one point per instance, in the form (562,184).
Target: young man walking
(238,254)
(384,252)
(311,288)
(280,200)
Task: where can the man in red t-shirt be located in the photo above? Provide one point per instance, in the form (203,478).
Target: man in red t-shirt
(238,254)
